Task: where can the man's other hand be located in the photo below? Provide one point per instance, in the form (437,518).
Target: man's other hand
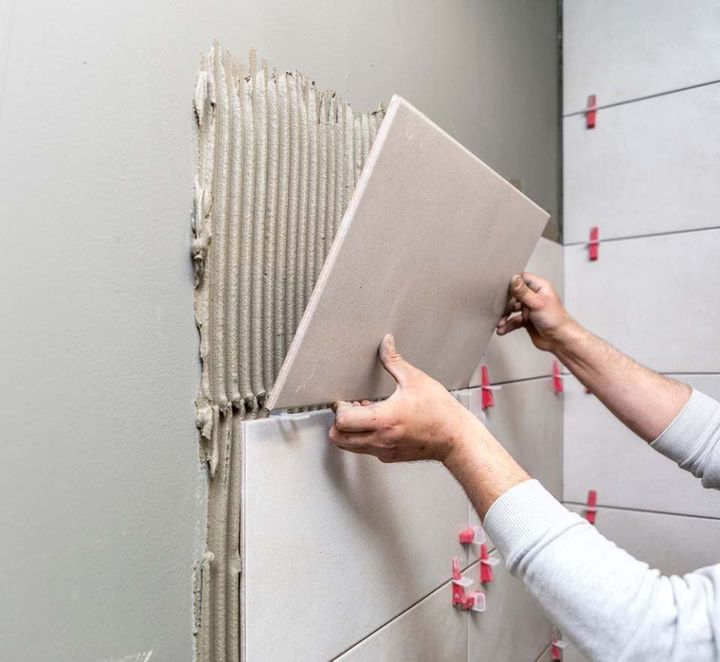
(535,305)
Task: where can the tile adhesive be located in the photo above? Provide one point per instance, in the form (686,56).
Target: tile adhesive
(277,163)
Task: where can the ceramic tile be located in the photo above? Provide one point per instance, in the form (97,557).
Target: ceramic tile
(623,176)
(513,627)
(425,251)
(430,631)
(527,420)
(674,544)
(649,298)
(357,539)
(621,50)
(600,453)
(514,356)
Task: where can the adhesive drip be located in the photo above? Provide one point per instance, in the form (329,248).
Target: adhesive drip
(277,163)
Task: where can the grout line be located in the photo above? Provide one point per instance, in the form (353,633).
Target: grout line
(510,381)
(544,650)
(646,236)
(444,584)
(646,97)
(644,510)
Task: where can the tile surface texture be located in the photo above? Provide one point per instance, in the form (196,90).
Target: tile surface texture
(620,50)
(600,453)
(336,544)
(648,167)
(427,223)
(514,356)
(649,298)
(430,631)
(513,626)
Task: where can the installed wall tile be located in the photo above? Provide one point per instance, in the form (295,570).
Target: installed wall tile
(513,627)
(431,631)
(336,544)
(672,543)
(514,356)
(648,167)
(600,453)
(649,297)
(622,50)
(527,421)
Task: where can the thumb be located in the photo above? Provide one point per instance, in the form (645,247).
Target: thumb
(395,364)
(520,290)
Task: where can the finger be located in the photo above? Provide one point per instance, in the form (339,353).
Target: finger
(357,419)
(520,290)
(512,324)
(357,442)
(535,282)
(510,306)
(396,365)
(360,450)
(365,403)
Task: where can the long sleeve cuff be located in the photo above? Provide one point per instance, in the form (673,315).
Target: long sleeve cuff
(692,437)
(682,438)
(522,516)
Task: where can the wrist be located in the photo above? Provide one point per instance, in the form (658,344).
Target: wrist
(564,336)
(464,440)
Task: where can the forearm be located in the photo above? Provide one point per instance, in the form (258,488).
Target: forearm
(484,469)
(642,399)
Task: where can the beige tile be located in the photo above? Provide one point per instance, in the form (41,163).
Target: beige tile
(512,627)
(425,251)
(600,453)
(624,177)
(431,631)
(623,50)
(649,298)
(336,544)
(674,544)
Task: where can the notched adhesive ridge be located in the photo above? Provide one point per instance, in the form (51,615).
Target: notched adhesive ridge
(277,163)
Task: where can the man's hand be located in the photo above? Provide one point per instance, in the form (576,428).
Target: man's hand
(535,305)
(422,421)
(419,421)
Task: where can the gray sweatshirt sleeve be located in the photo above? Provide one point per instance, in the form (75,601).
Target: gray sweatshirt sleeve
(607,603)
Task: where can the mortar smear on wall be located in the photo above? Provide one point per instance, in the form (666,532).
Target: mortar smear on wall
(278,161)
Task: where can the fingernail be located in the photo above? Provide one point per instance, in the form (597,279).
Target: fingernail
(516,281)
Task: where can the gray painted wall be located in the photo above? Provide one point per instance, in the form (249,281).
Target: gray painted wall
(102,496)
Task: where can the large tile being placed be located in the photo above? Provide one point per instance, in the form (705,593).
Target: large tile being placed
(600,453)
(651,298)
(512,627)
(336,544)
(425,251)
(620,50)
(514,356)
(647,168)
(430,631)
